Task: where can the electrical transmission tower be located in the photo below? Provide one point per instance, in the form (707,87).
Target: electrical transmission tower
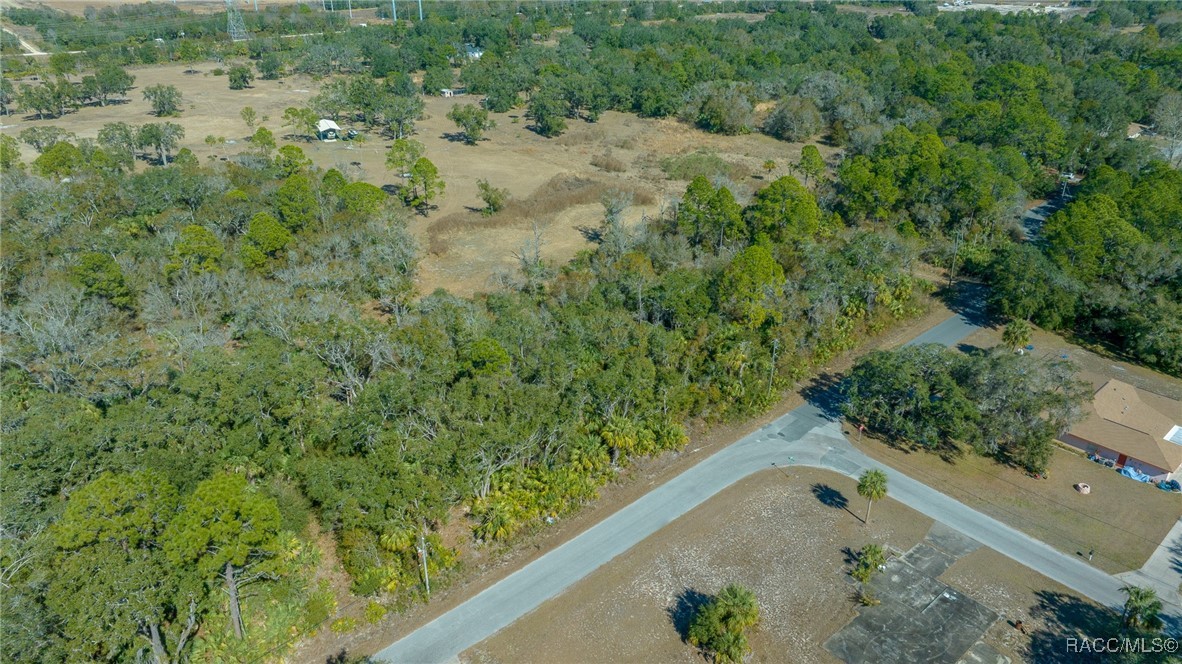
(234,24)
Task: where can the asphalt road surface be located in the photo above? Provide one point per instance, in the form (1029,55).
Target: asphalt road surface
(809,436)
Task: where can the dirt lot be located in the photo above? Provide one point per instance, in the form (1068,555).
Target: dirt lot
(1123,520)
(463,249)
(772,535)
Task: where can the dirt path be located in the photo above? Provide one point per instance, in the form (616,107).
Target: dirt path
(30,49)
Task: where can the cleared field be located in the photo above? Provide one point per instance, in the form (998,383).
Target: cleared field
(771,534)
(464,251)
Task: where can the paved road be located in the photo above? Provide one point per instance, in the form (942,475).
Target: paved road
(1163,573)
(807,436)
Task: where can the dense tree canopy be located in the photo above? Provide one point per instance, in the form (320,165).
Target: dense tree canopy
(1001,404)
(201,360)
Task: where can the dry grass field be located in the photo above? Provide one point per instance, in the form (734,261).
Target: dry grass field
(77,7)
(770,534)
(463,251)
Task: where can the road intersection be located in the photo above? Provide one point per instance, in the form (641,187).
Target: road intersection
(807,436)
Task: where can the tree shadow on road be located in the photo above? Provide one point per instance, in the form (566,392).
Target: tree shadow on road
(824,393)
(970,300)
(1067,617)
(681,614)
(1176,557)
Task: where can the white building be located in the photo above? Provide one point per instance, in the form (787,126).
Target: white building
(327,130)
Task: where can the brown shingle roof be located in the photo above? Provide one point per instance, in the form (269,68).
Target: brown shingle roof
(1129,421)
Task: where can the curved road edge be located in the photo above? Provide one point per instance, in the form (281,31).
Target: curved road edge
(805,436)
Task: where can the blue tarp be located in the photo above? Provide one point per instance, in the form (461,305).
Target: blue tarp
(1133,474)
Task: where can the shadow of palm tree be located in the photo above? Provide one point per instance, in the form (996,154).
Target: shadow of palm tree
(681,614)
(830,497)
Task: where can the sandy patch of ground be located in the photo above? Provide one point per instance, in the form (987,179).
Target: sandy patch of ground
(770,534)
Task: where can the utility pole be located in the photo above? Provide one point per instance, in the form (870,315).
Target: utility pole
(394,10)
(423,560)
(958,237)
(350,9)
(771,374)
(420,11)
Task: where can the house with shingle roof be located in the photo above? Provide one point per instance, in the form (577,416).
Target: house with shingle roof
(1135,428)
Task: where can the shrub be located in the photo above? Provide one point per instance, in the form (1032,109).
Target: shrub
(866,597)
(240,76)
(608,163)
(319,608)
(870,558)
(494,198)
(343,625)
(720,625)
(374,612)
(706,164)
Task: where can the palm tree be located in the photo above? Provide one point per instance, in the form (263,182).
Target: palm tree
(739,608)
(1142,608)
(730,648)
(872,486)
(1016,334)
(719,625)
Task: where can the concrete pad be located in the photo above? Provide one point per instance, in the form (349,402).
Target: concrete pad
(928,559)
(950,541)
(905,584)
(983,653)
(919,620)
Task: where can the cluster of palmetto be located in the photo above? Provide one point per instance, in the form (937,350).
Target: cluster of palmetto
(720,626)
